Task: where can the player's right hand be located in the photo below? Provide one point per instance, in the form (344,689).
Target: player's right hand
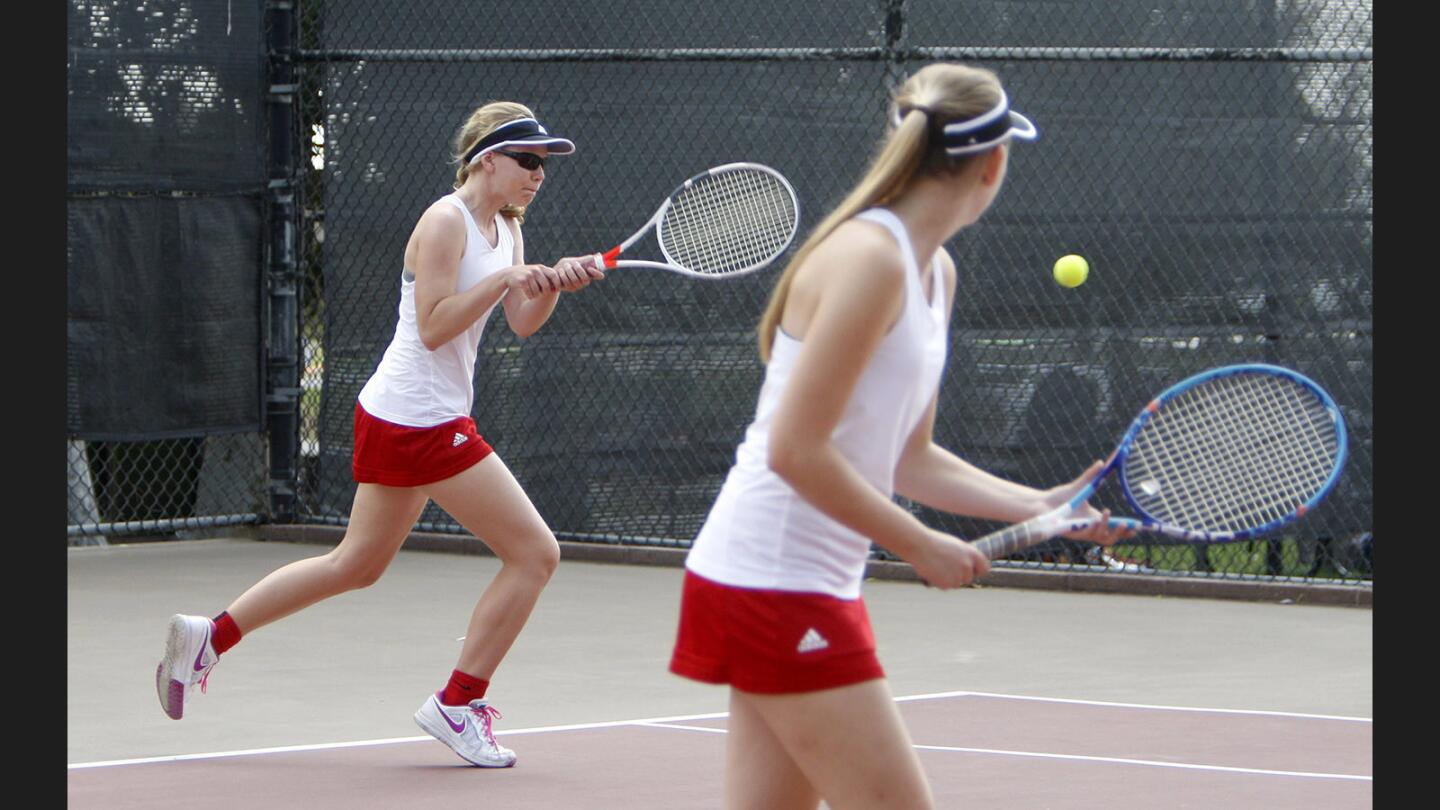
(578,271)
(948,562)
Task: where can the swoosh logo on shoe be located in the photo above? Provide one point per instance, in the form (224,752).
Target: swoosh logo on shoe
(457,729)
(201,655)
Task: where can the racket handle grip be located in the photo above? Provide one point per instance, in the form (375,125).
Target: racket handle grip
(610,256)
(1036,530)
(1011,539)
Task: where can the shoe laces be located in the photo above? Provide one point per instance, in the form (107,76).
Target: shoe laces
(205,677)
(486,713)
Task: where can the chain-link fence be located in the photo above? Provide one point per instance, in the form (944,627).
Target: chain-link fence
(1211,159)
(166,214)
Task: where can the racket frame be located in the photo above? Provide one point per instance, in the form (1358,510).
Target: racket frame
(611,256)
(1060,521)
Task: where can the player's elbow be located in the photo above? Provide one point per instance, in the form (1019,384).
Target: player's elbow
(787,459)
(429,332)
(524,324)
(909,475)
(523,330)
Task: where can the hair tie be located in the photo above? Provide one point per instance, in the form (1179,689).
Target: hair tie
(899,117)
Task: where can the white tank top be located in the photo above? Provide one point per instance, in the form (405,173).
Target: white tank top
(417,387)
(761,533)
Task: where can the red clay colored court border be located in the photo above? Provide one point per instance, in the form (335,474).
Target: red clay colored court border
(978,749)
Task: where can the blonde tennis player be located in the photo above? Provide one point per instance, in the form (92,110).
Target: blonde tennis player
(415,440)
(854,340)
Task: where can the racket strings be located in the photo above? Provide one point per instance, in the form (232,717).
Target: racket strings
(729,221)
(1239,440)
(1240,483)
(1236,452)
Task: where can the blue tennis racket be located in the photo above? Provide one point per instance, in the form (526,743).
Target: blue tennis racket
(1228,454)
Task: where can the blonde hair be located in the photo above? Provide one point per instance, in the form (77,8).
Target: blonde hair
(483,121)
(932,97)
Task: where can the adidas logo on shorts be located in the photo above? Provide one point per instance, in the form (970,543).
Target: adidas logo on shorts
(812,641)
(460,438)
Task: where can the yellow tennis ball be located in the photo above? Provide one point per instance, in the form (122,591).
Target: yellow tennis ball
(1071,270)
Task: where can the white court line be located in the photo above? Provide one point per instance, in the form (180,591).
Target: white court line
(710,729)
(1150,762)
(218,754)
(1136,706)
(652,721)
(284,749)
(1042,755)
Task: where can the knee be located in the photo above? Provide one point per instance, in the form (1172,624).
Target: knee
(548,556)
(351,574)
(541,556)
(365,577)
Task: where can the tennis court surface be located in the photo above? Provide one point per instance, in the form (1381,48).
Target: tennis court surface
(1014,698)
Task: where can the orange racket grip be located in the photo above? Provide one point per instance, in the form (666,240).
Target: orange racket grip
(610,255)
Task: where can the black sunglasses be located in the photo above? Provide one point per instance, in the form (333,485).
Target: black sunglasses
(529,161)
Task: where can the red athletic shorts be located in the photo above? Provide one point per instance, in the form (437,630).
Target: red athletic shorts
(402,456)
(772,641)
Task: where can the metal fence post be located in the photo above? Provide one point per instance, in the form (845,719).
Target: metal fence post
(282,390)
(894,43)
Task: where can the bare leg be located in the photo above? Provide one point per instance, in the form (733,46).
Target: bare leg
(380,520)
(759,774)
(849,743)
(488,501)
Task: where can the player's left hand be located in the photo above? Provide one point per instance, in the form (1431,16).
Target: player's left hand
(576,272)
(1098,532)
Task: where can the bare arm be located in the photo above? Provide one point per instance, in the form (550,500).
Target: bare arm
(527,315)
(931,475)
(434,257)
(859,300)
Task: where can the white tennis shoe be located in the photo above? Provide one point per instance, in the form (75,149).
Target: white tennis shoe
(189,657)
(466,729)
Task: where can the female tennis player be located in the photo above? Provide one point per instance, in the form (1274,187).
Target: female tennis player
(854,339)
(415,440)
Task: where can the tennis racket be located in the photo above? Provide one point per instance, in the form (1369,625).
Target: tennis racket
(1228,454)
(723,222)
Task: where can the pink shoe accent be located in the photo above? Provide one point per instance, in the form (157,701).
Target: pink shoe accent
(486,713)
